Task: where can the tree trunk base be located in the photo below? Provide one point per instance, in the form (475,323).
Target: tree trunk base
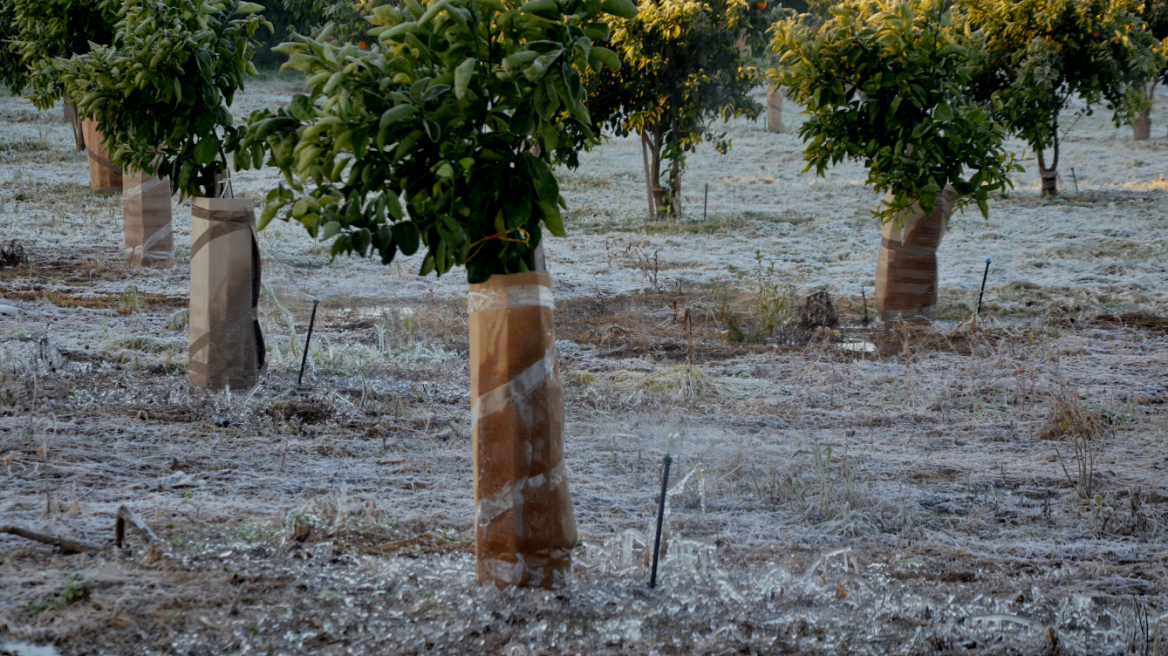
(525,529)
(1049,182)
(774,109)
(226,344)
(906,273)
(104,177)
(1142,128)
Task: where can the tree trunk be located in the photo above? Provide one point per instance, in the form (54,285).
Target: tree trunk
(525,528)
(147,219)
(660,197)
(1049,176)
(226,344)
(104,177)
(906,273)
(774,108)
(648,177)
(1142,127)
(675,189)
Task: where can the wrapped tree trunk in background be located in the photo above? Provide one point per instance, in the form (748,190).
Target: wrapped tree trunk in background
(774,108)
(1142,127)
(227,346)
(906,273)
(146,206)
(74,121)
(103,175)
(524,525)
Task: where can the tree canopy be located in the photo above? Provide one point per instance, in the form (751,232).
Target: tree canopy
(884,83)
(48,29)
(681,70)
(425,138)
(160,94)
(1038,54)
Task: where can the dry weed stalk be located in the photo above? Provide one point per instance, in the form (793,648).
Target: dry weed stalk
(1071,420)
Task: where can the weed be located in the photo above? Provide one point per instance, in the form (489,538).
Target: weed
(130,301)
(1072,421)
(77,588)
(826,491)
(764,310)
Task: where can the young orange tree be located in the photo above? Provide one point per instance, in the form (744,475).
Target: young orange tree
(885,83)
(425,140)
(1039,54)
(681,70)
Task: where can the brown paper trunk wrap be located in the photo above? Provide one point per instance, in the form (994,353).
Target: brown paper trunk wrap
(774,109)
(227,347)
(906,273)
(74,121)
(524,526)
(1142,128)
(103,175)
(146,205)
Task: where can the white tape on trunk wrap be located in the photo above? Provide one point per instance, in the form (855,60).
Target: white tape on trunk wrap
(516,391)
(511,297)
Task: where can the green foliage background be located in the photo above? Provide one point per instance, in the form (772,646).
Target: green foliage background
(884,83)
(425,138)
(161,93)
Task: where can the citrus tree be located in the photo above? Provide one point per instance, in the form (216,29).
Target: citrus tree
(160,94)
(13,73)
(44,30)
(1154,13)
(884,83)
(425,138)
(681,71)
(1039,54)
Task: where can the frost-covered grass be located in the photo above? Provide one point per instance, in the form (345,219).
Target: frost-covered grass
(922,491)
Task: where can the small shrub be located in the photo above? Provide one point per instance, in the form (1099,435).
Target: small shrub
(77,588)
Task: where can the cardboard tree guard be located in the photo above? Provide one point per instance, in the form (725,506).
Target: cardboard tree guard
(227,347)
(146,206)
(906,273)
(774,108)
(103,175)
(524,525)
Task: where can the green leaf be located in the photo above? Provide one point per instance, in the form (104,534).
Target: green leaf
(407,237)
(606,57)
(462,76)
(620,8)
(206,150)
(330,229)
(247,8)
(395,114)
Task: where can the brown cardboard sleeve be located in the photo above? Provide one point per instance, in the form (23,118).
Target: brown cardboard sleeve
(146,206)
(227,346)
(906,273)
(774,108)
(103,175)
(524,525)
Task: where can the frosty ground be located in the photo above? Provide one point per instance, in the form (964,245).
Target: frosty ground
(997,488)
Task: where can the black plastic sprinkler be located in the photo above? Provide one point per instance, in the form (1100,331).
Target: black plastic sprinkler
(985,276)
(1076,179)
(307,341)
(660,521)
(705,201)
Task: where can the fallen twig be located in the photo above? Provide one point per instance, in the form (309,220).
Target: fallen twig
(65,544)
(125,515)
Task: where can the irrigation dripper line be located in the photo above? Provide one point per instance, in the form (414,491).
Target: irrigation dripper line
(660,521)
(307,341)
(985,276)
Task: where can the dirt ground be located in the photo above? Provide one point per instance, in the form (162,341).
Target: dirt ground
(988,488)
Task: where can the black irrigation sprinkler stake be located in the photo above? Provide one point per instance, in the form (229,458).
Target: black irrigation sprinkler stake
(307,341)
(705,201)
(1075,179)
(984,277)
(864,295)
(660,521)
